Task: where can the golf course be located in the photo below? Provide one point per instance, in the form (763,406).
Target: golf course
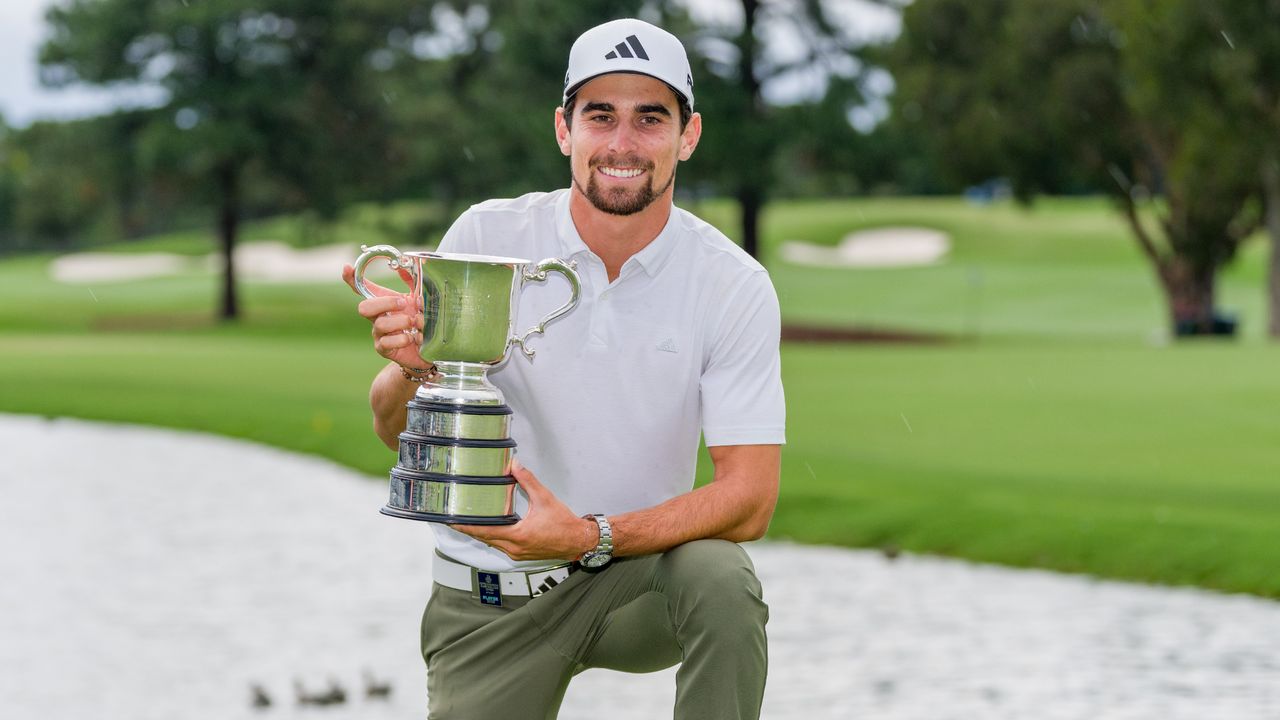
(1043,418)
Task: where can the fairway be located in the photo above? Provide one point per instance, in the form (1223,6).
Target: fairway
(1055,426)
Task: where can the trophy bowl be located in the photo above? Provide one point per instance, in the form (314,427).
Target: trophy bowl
(468,301)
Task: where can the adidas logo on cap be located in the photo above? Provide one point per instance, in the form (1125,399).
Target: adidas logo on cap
(624,49)
(644,49)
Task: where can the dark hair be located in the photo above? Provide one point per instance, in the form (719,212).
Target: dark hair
(686,112)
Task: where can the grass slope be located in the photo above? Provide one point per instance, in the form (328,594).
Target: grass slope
(1053,432)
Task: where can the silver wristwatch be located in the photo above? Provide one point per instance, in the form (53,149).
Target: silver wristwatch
(603,552)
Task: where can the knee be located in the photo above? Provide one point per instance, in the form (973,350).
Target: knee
(716,574)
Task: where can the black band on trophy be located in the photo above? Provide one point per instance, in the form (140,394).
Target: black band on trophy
(450,518)
(456,442)
(426,477)
(461,409)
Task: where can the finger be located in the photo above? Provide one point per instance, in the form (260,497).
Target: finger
(389,323)
(487,534)
(526,479)
(375,307)
(349,277)
(475,531)
(387,345)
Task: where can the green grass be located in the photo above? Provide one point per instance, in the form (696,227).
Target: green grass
(1126,461)
(1056,429)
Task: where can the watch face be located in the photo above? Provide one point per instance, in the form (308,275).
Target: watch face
(595,560)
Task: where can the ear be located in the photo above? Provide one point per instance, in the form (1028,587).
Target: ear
(562,132)
(689,138)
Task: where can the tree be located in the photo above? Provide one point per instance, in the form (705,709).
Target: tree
(277,87)
(10,162)
(1244,84)
(503,64)
(318,103)
(1208,170)
(749,136)
(1050,93)
(59,187)
(474,101)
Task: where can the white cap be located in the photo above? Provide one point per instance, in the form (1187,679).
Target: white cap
(631,46)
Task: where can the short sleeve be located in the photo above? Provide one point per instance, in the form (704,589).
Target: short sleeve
(741,384)
(462,236)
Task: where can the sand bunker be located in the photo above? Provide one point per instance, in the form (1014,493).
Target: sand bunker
(115,267)
(274,261)
(879,248)
(268,261)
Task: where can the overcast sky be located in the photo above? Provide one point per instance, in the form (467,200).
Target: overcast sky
(21,97)
(22,100)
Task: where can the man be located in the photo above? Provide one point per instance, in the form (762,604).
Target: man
(676,334)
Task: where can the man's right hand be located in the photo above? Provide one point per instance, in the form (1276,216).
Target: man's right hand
(396,319)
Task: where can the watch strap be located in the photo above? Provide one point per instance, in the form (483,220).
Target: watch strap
(605,544)
(603,551)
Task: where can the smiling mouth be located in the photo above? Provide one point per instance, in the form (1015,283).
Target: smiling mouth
(623,173)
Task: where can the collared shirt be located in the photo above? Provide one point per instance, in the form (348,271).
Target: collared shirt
(608,414)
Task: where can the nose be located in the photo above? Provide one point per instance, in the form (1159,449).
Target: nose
(623,139)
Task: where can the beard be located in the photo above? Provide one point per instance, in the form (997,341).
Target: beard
(618,200)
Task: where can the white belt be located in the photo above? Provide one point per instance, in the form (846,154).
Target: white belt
(524,584)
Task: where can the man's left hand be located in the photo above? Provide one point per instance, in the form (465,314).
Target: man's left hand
(548,531)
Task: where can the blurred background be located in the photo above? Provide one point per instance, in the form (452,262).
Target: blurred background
(1026,251)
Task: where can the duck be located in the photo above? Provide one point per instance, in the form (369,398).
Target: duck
(260,697)
(333,696)
(336,694)
(373,689)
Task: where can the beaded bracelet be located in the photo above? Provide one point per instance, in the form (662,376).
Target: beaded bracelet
(417,376)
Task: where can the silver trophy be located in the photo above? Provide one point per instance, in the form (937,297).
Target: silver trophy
(455,453)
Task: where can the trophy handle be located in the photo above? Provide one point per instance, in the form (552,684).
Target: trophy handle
(395,259)
(539,274)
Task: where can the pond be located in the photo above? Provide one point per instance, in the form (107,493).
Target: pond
(149,573)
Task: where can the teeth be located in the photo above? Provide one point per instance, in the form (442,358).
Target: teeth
(621,172)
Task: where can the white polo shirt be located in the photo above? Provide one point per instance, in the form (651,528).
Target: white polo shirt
(609,411)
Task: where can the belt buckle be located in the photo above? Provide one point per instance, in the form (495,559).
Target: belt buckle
(541,582)
(490,587)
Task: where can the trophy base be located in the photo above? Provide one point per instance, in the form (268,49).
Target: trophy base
(442,457)
(449,519)
(451,499)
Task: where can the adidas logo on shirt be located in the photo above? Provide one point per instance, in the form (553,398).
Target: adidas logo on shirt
(668,345)
(625,49)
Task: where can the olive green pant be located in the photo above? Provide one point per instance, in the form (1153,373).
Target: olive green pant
(698,605)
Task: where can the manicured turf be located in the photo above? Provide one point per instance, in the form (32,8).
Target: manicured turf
(1056,428)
